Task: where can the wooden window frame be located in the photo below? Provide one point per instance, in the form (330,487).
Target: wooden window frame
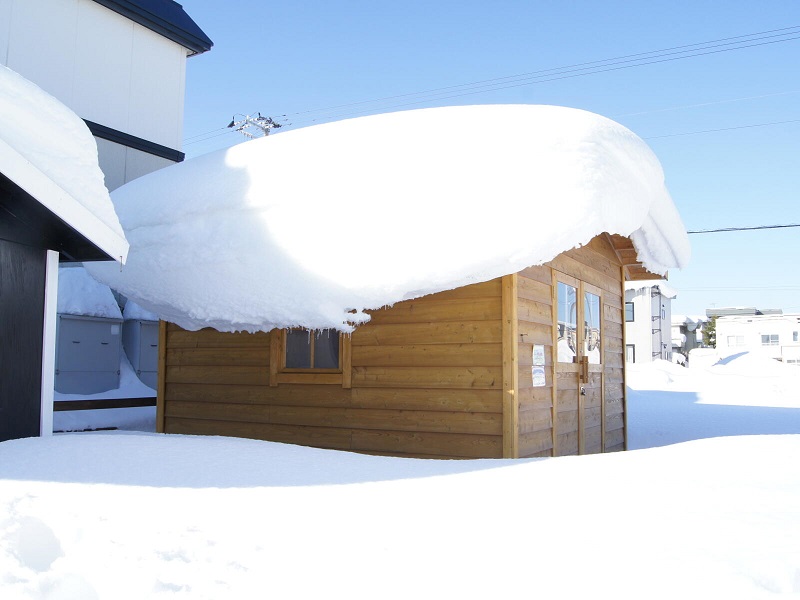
(280,374)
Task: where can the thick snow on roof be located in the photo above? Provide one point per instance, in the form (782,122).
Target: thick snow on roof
(310,227)
(48,151)
(80,294)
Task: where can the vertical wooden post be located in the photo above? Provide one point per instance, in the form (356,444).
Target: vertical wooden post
(510,339)
(161,384)
(276,356)
(554,328)
(624,369)
(345,352)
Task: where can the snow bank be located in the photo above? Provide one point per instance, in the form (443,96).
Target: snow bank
(80,294)
(312,226)
(127,516)
(54,140)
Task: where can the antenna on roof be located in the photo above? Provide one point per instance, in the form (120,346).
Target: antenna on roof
(250,126)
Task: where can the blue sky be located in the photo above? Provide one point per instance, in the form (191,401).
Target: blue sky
(306,62)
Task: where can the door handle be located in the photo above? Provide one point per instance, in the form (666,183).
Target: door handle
(585,369)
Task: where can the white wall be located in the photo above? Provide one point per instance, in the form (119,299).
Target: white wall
(639,333)
(103,66)
(121,164)
(743,334)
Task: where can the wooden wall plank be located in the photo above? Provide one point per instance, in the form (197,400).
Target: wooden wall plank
(430,355)
(429,310)
(428,377)
(232,375)
(536,419)
(536,443)
(430,399)
(342,418)
(320,437)
(441,444)
(210,338)
(480,332)
(216,356)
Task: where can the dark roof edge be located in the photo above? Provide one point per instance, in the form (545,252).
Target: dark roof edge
(166,18)
(131,141)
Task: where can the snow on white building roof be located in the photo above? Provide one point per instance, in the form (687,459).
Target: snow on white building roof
(80,294)
(48,151)
(666,290)
(312,226)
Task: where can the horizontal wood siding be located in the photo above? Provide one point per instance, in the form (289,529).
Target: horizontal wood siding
(426,381)
(441,354)
(535,316)
(427,376)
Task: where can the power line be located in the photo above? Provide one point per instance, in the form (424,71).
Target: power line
(759,227)
(656,137)
(690,51)
(561,73)
(565,72)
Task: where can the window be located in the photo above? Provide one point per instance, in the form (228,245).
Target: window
(629,312)
(567,322)
(312,349)
(769,340)
(795,336)
(591,325)
(630,353)
(735,340)
(309,357)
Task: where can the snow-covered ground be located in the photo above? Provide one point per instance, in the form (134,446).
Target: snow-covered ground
(139,515)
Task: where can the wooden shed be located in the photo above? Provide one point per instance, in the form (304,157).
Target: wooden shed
(530,364)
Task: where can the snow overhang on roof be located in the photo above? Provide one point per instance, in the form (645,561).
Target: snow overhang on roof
(166,18)
(310,227)
(647,284)
(48,153)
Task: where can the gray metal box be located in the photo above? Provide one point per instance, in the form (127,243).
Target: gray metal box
(87,354)
(140,340)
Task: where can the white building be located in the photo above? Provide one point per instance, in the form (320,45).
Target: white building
(648,321)
(774,334)
(687,334)
(120,65)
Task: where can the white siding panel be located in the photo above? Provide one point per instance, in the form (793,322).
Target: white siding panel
(157,75)
(111,157)
(141,163)
(103,54)
(41,46)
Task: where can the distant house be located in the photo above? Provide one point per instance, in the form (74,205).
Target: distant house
(768,332)
(414,289)
(648,321)
(687,334)
(53,207)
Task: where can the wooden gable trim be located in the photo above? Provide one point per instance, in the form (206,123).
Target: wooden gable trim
(632,269)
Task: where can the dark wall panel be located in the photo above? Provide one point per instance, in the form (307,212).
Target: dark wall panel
(22,287)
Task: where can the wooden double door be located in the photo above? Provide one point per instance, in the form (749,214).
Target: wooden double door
(578,407)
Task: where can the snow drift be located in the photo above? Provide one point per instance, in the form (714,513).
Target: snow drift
(312,226)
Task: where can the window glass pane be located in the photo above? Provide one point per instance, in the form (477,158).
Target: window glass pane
(591,327)
(326,349)
(628,312)
(567,322)
(298,349)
